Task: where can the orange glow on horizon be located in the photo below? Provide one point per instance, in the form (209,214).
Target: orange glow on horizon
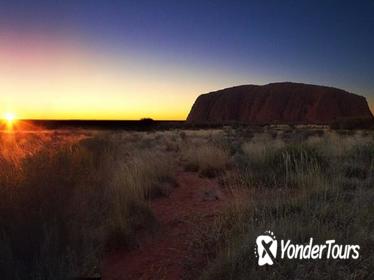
(9,119)
(58,78)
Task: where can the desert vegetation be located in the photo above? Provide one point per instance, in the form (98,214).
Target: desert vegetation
(64,205)
(67,199)
(299,186)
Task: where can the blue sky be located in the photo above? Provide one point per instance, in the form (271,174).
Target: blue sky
(225,42)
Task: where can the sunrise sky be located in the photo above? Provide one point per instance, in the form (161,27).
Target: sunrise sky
(87,59)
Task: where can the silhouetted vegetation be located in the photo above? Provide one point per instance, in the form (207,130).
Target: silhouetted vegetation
(353,123)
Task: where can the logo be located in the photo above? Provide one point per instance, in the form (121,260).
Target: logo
(267,246)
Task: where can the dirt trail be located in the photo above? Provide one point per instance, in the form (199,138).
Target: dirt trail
(162,256)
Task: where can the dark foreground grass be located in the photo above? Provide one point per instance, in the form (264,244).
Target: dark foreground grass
(312,190)
(62,208)
(65,205)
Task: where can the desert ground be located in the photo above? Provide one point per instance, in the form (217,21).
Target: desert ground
(182,203)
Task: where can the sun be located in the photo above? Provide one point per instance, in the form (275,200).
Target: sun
(9,117)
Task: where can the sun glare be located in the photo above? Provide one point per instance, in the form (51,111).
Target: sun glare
(9,117)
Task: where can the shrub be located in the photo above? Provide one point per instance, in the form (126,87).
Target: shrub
(209,160)
(289,166)
(353,123)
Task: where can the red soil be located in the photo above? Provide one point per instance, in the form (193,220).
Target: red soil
(196,201)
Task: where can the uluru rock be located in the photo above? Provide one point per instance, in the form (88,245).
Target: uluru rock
(278,103)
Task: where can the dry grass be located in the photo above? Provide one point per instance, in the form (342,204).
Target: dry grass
(66,199)
(332,179)
(260,145)
(207,159)
(71,203)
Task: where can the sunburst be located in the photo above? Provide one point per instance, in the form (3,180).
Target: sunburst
(9,117)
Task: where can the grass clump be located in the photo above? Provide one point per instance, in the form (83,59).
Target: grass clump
(209,160)
(279,166)
(72,203)
(333,200)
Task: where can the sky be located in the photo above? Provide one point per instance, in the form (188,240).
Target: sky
(92,59)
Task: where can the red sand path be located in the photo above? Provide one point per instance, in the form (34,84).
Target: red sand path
(163,255)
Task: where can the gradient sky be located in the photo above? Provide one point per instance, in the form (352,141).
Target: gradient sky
(91,59)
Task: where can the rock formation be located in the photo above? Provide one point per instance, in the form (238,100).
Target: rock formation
(278,103)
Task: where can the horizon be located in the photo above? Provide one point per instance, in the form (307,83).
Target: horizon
(177,120)
(16,118)
(121,60)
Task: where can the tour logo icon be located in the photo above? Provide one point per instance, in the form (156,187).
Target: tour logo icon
(266,248)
